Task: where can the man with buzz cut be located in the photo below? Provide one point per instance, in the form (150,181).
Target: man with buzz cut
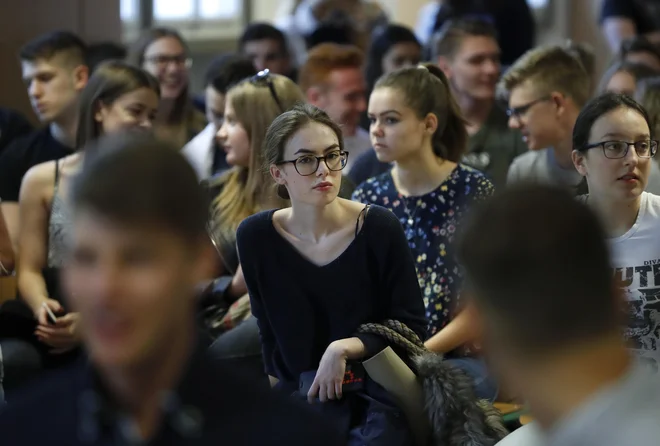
(538,269)
(138,251)
(55,72)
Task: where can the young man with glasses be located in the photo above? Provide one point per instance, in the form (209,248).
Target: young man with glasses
(545,90)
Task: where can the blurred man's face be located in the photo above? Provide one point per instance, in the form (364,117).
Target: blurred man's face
(475,68)
(268,54)
(344,98)
(215,106)
(133,287)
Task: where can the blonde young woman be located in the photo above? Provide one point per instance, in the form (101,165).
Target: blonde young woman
(118,97)
(244,190)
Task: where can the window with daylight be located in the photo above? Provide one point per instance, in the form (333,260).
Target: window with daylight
(195,19)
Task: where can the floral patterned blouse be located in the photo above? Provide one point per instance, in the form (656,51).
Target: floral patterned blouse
(430,223)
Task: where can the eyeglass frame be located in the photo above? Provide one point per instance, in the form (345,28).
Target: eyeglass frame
(601,144)
(265,78)
(165,60)
(519,111)
(318,162)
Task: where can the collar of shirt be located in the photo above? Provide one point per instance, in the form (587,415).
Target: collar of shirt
(100,420)
(602,410)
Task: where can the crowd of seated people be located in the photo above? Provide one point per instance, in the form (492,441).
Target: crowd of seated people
(348,208)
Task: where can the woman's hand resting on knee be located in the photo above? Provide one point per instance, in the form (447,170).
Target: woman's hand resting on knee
(329,378)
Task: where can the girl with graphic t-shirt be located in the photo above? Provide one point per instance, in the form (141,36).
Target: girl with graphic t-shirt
(613,147)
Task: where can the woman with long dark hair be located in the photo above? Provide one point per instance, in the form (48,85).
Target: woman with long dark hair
(118,97)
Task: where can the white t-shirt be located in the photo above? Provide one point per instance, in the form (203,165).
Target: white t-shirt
(636,262)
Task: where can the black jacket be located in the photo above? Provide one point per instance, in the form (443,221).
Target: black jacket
(211,406)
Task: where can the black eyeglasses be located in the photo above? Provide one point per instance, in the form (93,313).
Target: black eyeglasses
(518,112)
(162,60)
(308,164)
(645,148)
(264,78)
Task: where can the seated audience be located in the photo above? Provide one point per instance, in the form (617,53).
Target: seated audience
(542,283)
(267,48)
(622,77)
(624,19)
(333,265)
(203,151)
(467,51)
(54,70)
(513,20)
(545,90)
(131,273)
(640,50)
(164,54)
(118,97)
(332,80)
(614,148)
(416,124)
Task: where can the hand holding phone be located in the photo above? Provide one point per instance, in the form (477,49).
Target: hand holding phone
(51,316)
(46,314)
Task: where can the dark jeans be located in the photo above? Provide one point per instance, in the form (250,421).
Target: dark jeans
(23,357)
(484,385)
(240,347)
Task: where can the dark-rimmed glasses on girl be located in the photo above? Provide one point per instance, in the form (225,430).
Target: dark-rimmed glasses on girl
(308,164)
(619,149)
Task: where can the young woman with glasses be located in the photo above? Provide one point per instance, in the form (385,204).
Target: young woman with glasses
(613,149)
(164,54)
(319,269)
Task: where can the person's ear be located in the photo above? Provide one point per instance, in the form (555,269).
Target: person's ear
(560,101)
(315,96)
(100,112)
(80,77)
(579,159)
(444,65)
(430,124)
(277,175)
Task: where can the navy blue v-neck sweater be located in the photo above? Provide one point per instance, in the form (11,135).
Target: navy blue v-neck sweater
(302,307)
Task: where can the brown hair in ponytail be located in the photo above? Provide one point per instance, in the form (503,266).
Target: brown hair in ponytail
(426,90)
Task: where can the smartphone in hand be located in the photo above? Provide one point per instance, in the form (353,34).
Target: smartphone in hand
(51,316)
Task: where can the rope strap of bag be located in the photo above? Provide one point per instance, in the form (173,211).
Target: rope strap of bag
(396,333)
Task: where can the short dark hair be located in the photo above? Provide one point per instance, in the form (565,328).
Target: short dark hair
(638,44)
(537,264)
(100,52)
(263,31)
(448,38)
(383,39)
(227,70)
(140,180)
(49,45)
(597,107)
(636,70)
